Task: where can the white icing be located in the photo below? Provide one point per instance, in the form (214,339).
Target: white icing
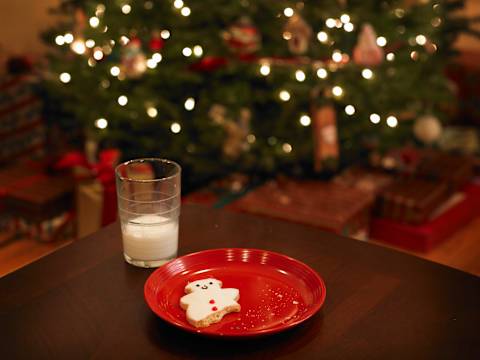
(200,293)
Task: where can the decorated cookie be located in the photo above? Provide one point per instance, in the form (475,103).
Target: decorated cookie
(207,303)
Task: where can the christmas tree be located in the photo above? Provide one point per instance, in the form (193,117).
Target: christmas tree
(255,86)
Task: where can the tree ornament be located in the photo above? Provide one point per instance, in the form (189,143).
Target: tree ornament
(427,129)
(366,51)
(325,136)
(236,130)
(156,42)
(133,60)
(298,34)
(242,37)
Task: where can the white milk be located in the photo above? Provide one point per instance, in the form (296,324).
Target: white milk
(150,238)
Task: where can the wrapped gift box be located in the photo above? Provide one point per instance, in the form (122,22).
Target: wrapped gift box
(334,207)
(454,170)
(426,236)
(411,200)
(22,130)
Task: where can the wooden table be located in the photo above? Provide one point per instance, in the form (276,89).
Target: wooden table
(84,301)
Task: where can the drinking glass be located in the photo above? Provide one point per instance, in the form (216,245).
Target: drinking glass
(148,193)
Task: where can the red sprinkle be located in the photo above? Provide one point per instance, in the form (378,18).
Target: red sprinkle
(214,308)
(212,301)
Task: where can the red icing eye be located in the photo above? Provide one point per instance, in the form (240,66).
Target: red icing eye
(212,301)
(214,308)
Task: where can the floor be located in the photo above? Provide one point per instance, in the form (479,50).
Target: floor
(461,251)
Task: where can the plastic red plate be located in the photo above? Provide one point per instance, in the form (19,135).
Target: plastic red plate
(277,292)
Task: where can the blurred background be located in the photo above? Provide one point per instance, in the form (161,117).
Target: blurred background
(356,117)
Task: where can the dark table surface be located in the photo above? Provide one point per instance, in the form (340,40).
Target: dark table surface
(84,301)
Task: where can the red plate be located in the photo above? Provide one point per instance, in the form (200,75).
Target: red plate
(277,292)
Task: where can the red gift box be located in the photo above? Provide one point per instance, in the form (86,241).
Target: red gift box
(426,236)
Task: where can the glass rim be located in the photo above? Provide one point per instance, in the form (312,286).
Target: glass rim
(152,159)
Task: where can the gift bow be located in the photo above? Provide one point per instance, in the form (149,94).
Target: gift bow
(103,170)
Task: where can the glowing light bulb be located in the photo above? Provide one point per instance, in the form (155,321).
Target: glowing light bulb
(392,121)
(157,57)
(367,74)
(399,12)
(151,63)
(148,5)
(322,36)
(348,27)
(165,34)
(178,4)
(337,91)
(78,47)
(187,51)
(126,9)
(390,56)
(251,138)
(350,109)
(330,23)
(94,21)
(436,22)
(381,41)
(286,147)
(305,120)
(65,77)
(300,75)
(414,55)
(115,70)
(98,54)
(189,104)
(288,12)
(197,51)
(284,95)
(68,38)
(175,128)
(322,73)
(421,39)
(265,69)
(59,40)
(345,18)
(375,118)
(337,56)
(90,43)
(124,40)
(100,9)
(122,100)
(152,112)
(287,35)
(101,123)
(185,11)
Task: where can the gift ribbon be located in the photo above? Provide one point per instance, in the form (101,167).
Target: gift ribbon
(103,171)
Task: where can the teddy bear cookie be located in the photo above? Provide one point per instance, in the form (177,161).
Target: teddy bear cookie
(207,303)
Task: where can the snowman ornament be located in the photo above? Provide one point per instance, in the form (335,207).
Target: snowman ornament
(207,303)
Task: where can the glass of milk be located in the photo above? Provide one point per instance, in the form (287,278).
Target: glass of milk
(148,193)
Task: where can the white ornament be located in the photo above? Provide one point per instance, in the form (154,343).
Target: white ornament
(427,129)
(206,302)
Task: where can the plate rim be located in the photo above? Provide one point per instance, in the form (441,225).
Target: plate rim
(148,296)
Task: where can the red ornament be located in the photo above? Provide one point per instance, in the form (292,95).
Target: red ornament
(242,37)
(156,44)
(214,308)
(212,301)
(209,63)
